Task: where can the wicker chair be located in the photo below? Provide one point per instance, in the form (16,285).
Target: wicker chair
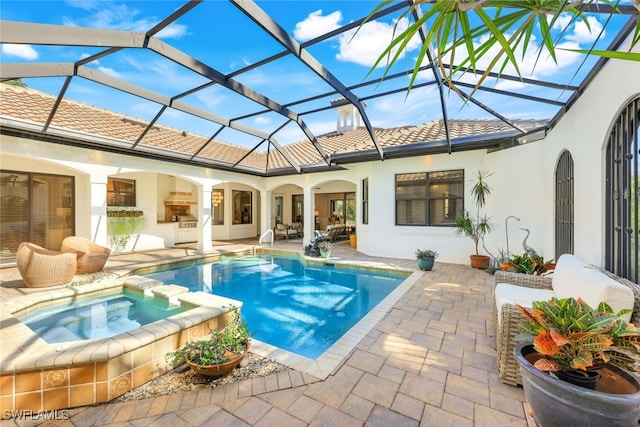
(510,318)
(40,267)
(91,256)
(507,328)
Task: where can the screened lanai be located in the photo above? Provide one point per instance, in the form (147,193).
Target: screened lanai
(254,86)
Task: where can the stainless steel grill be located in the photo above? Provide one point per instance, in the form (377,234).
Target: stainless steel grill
(187,221)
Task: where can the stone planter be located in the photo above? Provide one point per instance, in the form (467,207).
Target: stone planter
(615,402)
(325,253)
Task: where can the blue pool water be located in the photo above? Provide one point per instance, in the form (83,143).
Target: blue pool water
(294,306)
(98,317)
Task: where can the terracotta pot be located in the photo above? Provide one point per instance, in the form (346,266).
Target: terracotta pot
(480,261)
(221,370)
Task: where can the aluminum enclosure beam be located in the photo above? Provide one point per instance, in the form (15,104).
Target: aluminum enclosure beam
(271,27)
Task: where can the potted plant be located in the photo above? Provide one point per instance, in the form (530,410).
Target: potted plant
(325,248)
(503,261)
(565,342)
(218,355)
(426,259)
(530,264)
(477,227)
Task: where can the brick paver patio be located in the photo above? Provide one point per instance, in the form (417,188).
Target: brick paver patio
(430,362)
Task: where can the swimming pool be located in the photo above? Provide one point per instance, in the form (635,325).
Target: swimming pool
(302,308)
(98,317)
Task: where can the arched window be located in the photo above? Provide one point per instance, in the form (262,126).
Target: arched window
(622,186)
(564,205)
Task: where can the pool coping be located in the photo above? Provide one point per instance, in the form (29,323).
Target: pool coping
(22,350)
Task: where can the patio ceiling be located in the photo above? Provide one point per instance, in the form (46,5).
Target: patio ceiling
(250,133)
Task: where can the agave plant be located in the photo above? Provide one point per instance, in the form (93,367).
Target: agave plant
(572,336)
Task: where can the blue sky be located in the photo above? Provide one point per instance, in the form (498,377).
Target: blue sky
(218,34)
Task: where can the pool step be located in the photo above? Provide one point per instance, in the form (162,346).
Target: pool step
(141,285)
(169,293)
(210,301)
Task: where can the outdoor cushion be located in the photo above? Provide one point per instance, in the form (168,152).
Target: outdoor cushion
(506,293)
(563,275)
(593,287)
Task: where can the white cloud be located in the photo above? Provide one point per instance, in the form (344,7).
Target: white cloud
(173,31)
(532,64)
(583,34)
(23,51)
(578,32)
(562,21)
(262,121)
(421,105)
(367,44)
(115,16)
(315,25)
(211,98)
(109,71)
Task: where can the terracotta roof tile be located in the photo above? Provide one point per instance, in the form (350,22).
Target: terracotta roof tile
(83,118)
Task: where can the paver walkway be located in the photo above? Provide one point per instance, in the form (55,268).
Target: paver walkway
(430,361)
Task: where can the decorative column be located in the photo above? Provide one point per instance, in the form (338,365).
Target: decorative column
(98,197)
(265,212)
(205,218)
(309,215)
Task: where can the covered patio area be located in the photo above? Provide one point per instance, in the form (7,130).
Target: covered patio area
(429,361)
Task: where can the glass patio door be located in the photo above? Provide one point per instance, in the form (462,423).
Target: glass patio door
(35,208)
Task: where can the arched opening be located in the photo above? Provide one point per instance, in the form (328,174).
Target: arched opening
(564,205)
(622,185)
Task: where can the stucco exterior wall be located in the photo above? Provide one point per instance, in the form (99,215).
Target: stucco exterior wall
(584,131)
(522,183)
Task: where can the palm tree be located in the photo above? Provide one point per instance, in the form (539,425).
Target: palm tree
(446,31)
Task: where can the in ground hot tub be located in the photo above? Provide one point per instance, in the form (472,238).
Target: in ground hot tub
(90,358)
(103,316)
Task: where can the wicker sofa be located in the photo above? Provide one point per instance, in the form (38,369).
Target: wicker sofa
(40,267)
(571,278)
(91,256)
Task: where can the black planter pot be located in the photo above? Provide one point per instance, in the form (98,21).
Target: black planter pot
(586,380)
(555,402)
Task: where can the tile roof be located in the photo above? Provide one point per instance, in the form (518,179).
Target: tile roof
(86,121)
